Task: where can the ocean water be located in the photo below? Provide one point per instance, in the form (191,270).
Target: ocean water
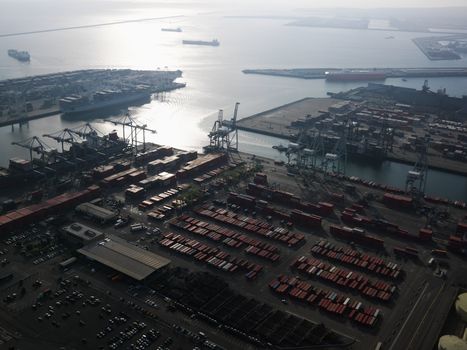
(213,75)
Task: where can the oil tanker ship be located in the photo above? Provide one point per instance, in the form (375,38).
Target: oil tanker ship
(22,56)
(214,42)
(355,75)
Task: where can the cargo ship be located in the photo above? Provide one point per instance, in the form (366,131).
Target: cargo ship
(214,42)
(355,75)
(22,56)
(103,99)
(177,30)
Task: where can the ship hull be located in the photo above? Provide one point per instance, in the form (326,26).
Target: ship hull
(99,106)
(200,43)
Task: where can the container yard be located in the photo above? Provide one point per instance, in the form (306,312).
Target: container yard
(378,123)
(39,96)
(224,250)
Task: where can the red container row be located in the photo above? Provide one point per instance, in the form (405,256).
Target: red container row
(252,225)
(209,255)
(397,201)
(355,235)
(52,206)
(344,278)
(352,257)
(261,179)
(228,237)
(308,220)
(289,199)
(326,300)
(406,251)
(242,200)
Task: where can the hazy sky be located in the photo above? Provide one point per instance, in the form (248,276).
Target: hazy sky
(361,3)
(289,3)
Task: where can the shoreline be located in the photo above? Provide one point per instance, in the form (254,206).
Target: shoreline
(387,158)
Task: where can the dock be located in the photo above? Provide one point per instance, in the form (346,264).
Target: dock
(34,97)
(320,73)
(290,120)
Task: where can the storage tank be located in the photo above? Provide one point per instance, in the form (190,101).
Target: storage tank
(461,306)
(451,342)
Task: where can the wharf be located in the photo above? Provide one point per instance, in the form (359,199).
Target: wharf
(320,73)
(286,122)
(276,122)
(21,119)
(33,97)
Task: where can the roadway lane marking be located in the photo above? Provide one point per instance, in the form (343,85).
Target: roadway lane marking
(426,313)
(409,316)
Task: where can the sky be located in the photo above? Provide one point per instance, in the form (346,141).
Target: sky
(282,3)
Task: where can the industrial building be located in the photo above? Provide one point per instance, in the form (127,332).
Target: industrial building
(80,234)
(96,212)
(124,257)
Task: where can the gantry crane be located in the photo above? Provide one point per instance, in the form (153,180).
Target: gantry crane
(336,161)
(415,183)
(224,133)
(135,128)
(36,145)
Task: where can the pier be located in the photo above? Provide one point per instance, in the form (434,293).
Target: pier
(320,73)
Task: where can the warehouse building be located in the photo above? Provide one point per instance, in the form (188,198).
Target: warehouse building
(96,213)
(80,234)
(124,257)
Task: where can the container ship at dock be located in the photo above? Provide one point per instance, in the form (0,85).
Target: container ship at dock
(103,99)
(108,99)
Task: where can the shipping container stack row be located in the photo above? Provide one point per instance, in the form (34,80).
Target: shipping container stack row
(212,256)
(289,199)
(210,175)
(228,237)
(307,220)
(202,164)
(131,176)
(261,206)
(251,225)
(326,300)
(397,201)
(351,216)
(406,251)
(458,241)
(370,184)
(261,179)
(36,212)
(103,171)
(162,212)
(349,256)
(337,198)
(424,234)
(243,200)
(158,198)
(157,153)
(344,278)
(356,235)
